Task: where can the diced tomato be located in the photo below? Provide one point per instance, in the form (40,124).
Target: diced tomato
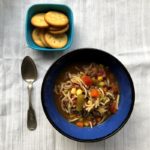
(87,80)
(113,108)
(79,124)
(94,93)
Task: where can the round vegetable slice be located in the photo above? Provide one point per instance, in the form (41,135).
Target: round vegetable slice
(87,80)
(94,93)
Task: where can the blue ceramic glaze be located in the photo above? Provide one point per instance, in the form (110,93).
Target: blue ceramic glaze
(111,125)
(38,8)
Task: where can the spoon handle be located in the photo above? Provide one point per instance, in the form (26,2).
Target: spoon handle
(31,118)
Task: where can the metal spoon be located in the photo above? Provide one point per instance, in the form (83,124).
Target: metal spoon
(29,74)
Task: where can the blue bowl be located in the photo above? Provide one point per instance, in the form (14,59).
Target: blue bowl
(38,8)
(113,123)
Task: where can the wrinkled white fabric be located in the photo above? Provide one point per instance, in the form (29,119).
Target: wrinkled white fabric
(120,27)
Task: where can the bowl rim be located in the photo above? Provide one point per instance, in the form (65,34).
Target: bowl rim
(97,139)
(43,48)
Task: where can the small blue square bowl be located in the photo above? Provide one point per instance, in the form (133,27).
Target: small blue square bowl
(38,8)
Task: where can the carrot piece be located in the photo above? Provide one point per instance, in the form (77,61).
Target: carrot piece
(79,124)
(95,93)
(87,80)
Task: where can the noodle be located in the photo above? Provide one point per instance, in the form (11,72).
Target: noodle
(101,90)
(74,119)
(117,101)
(90,124)
(110,94)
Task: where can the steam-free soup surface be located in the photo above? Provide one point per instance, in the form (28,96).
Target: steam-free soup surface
(86,94)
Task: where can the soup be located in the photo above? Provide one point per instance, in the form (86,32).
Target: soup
(87,95)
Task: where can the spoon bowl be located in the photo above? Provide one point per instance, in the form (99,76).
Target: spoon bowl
(28,70)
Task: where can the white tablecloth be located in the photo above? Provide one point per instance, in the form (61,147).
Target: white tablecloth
(120,27)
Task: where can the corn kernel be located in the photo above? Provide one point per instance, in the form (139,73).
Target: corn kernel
(89,102)
(101,83)
(79,91)
(100,78)
(86,123)
(73,91)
